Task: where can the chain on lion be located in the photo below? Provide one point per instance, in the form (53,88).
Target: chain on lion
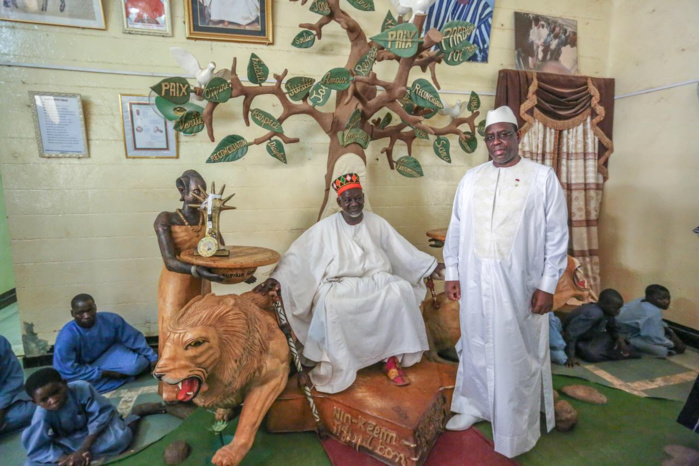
(286,329)
(430,285)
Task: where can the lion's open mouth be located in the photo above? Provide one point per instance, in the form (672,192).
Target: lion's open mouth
(188,388)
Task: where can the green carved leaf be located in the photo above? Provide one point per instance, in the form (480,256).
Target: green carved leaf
(402,40)
(385,121)
(458,56)
(298,88)
(175,90)
(218,90)
(363,5)
(468,142)
(265,120)
(481,128)
(388,22)
(355,120)
(304,39)
(474,102)
(321,7)
(338,79)
(275,148)
(355,136)
(455,34)
(420,134)
(366,63)
(230,149)
(424,112)
(173,112)
(257,70)
(423,93)
(409,167)
(190,123)
(441,147)
(319,95)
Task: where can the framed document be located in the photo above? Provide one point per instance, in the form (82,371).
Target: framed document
(59,124)
(146,133)
(147,17)
(79,14)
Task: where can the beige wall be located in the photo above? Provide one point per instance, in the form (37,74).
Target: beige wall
(86,225)
(651,201)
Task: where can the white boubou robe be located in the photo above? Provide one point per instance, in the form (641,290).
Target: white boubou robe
(507,237)
(352,294)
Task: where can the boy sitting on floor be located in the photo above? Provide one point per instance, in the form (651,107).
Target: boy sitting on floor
(73,424)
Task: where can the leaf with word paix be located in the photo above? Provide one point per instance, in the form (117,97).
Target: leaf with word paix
(175,90)
(441,147)
(297,88)
(257,70)
(402,40)
(468,142)
(230,149)
(265,120)
(304,40)
(190,123)
(409,167)
(275,148)
(218,90)
(454,34)
(423,93)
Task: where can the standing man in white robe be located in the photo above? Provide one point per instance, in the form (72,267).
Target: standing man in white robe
(505,250)
(352,287)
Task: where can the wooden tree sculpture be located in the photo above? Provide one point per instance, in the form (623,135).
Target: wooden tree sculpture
(355,120)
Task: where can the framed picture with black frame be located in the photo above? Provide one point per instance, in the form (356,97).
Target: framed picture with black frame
(230,20)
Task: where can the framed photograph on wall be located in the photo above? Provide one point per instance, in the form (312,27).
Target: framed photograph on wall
(230,20)
(147,135)
(146,17)
(59,125)
(80,14)
(545,43)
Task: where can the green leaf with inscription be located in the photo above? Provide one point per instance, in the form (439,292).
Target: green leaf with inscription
(257,70)
(388,22)
(423,93)
(355,136)
(319,94)
(481,128)
(366,63)
(409,167)
(402,40)
(441,147)
(320,7)
(420,133)
(363,5)
(458,56)
(413,109)
(337,79)
(266,121)
(218,90)
(173,112)
(385,121)
(175,90)
(304,39)
(468,142)
(474,102)
(230,149)
(355,120)
(297,88)
(275,148)
(190,123)
(455,34)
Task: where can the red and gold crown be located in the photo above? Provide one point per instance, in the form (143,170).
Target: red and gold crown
(345,182)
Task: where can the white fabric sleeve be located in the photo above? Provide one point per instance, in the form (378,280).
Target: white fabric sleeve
(452,241)
(556,246)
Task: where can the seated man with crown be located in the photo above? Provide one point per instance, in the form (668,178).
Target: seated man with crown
(352,288)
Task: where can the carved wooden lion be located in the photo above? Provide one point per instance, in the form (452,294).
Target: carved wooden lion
(221,351)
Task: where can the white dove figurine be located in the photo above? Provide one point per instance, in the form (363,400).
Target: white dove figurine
(453,111)
(400,9)
(189,63)
(419,7)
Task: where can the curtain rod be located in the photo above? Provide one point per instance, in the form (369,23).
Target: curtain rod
(167,75)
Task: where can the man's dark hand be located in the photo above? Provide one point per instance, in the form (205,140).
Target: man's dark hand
(438,273)
(542,302)
(622,346)
(3,413)
(266,286)
(209,275)
(78,458)
(453,289)
(114,375)
(572,362)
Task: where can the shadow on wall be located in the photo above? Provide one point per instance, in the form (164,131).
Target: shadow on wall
(33,345)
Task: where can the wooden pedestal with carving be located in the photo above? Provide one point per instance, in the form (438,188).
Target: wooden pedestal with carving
(396,425)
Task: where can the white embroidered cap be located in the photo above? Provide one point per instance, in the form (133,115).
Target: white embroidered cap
(502,114)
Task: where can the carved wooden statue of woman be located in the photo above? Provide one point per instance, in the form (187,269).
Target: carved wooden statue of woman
(178,231)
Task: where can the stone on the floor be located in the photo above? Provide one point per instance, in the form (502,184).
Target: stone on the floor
(176,452)
(566,416)
(584,393)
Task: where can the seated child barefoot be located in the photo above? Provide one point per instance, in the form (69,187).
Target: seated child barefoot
(73,424)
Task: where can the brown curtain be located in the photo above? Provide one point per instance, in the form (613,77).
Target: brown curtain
(566,123)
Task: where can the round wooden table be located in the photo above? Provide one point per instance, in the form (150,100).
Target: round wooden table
(238,266)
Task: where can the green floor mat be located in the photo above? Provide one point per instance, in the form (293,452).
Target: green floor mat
(626,430)
(268,449)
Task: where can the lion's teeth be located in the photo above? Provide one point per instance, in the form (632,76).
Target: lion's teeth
(179,385)
(190,393)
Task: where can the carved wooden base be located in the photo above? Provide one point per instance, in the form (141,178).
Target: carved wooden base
(396,425)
